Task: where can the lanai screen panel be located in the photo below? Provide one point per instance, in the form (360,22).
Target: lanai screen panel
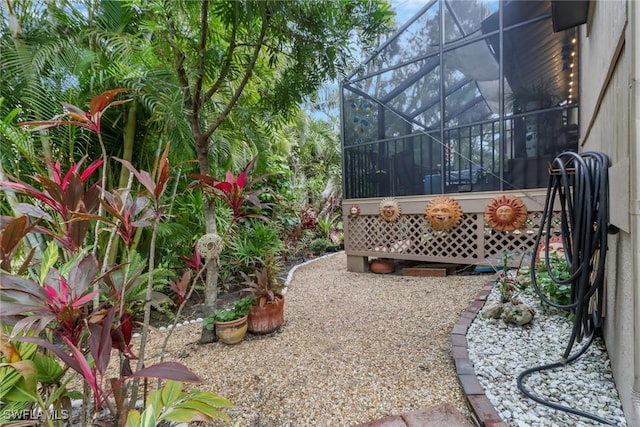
(434,111)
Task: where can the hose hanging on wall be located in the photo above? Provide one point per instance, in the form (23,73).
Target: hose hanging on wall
(580,184)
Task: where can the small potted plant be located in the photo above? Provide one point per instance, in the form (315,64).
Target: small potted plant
(230,323)
(265,287)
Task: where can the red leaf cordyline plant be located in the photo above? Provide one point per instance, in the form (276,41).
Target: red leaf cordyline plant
(181,287)
(58,311)
(61,306)
(264,285)
(13,231)
(78,117)
(67,201)
(194,263)
(234,191)
(130,212)
(92,120)
(58,299)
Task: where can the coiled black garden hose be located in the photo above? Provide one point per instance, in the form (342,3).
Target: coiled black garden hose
(579,182)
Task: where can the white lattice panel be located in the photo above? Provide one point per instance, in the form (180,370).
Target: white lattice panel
(410,237)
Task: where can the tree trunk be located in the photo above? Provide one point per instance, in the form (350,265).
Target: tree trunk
(128,140)
(13,22)
(211,283)
(210,298)
(45,139)
(147,314)
(127,154)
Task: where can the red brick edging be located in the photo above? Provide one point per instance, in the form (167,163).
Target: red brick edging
(483,409)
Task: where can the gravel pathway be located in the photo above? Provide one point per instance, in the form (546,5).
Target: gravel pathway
(354,347)
(500,353)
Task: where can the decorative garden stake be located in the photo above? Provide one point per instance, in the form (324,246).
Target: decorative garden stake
(389,209)
(209,246)
(505,213)
(443,213)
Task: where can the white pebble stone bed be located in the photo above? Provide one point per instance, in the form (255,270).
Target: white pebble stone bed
(500,352)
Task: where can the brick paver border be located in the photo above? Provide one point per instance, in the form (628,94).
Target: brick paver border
(483,410)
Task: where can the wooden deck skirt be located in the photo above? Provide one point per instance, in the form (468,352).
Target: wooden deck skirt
(411,238)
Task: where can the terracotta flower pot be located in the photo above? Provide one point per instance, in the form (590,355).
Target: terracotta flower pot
(232,332)
(382,266)
(268,318)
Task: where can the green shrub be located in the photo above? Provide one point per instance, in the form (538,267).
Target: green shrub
(320,245)
(247,249)
(555,292)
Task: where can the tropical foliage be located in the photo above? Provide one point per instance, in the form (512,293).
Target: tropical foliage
(60,308)
(102,198)
(173,404)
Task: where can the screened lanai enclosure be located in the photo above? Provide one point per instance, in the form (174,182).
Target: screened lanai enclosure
(469,99)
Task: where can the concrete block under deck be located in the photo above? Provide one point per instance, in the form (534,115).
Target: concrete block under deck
(357,264)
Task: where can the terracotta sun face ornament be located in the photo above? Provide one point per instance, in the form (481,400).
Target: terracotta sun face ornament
(354,211)
(555,245)
(389,210)
(443,213)
(505,213)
